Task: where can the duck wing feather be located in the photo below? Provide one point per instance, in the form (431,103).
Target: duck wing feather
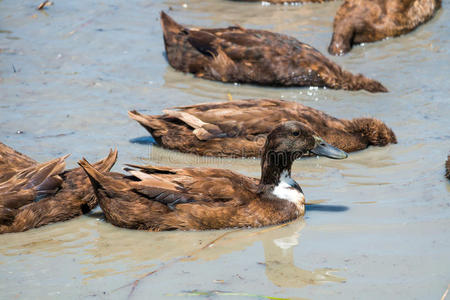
(198,184)
(11,161)
(40,177)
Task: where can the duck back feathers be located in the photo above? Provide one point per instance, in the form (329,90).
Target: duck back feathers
(240,127)
(235,54)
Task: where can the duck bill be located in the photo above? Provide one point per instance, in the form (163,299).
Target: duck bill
(325,149)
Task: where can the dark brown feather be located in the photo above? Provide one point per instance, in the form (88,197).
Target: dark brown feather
(235,54)
(361,21)
(244,125)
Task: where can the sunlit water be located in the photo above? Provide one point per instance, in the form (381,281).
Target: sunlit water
(380,225)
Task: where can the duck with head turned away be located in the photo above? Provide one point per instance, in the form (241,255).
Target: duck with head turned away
(162,198)
(362,21)
(35,194)
(240,128)
(240,55)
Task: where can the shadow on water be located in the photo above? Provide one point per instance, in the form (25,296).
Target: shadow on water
(144,140)
(327,208)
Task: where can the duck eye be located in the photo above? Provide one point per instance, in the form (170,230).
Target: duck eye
(296,133)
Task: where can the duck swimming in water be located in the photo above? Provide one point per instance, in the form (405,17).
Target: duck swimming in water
(33,194)
(240,128)
(361,21)
(235,54)
(162,198)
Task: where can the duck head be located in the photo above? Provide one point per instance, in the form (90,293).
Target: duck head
(287,142)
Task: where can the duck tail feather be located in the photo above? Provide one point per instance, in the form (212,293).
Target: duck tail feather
(153,124)
(100,180)
(108,162)
(95,177)
(169,25)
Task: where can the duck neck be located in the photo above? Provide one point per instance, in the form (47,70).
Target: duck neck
(274,165)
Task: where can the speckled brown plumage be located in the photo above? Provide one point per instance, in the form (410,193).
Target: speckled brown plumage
(361,21)
(44,193)
(239,128)
(235,54)
(447,168)
(162,198)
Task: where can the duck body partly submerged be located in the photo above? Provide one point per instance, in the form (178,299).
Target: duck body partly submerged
(240,128)
(161,198)
(44,193)
(239,55)
(361,21)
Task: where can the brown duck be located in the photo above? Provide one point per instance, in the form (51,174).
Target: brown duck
(361,21)
(239,128)
(160,198)
(235,54)
(33,194)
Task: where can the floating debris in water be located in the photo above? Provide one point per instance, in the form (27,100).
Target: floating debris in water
(55,135)
(219,281)
(44,5)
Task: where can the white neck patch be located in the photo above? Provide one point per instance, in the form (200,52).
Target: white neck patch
(286,191)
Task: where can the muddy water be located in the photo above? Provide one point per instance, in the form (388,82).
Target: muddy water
(379,226)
